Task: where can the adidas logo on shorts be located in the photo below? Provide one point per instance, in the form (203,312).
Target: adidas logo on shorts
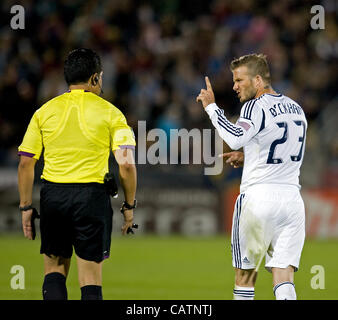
(246,260)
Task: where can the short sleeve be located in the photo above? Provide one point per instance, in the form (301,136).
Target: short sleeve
(122,136)
(32,141)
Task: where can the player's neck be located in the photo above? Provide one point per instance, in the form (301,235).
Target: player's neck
(266,89)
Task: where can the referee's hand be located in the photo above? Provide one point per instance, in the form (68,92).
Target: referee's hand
(26,224)
(128,220)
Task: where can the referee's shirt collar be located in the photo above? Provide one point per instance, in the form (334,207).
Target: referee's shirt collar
(78,90)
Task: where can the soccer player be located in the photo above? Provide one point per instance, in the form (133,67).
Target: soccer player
(269,217)
(77,131)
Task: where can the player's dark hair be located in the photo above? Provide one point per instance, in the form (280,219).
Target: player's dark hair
(257,64)
(80,65)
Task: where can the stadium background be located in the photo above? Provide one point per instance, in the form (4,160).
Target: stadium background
(155,55)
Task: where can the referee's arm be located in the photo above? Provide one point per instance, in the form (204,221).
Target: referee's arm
(29,152)
(128,180)
(25,186)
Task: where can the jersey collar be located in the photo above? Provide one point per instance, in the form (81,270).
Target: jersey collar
(274,95)
(78,90)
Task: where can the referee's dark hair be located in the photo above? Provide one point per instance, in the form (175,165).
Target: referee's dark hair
(80,65)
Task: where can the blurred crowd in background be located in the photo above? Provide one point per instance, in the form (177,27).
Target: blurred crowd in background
(155,55)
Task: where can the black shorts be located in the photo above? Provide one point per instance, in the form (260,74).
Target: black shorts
(75,214)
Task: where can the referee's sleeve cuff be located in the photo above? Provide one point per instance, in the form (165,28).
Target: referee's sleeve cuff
(26,154)
(211,109)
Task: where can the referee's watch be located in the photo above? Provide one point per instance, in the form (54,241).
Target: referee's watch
(25,208)
(127,206)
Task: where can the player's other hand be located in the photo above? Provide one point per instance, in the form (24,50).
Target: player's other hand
(234,158)
(128,220)
(26,224)
(206,96)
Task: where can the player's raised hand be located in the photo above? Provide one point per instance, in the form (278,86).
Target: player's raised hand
(206,96)
(234,158)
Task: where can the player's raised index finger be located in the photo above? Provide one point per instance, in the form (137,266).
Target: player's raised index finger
(207,81)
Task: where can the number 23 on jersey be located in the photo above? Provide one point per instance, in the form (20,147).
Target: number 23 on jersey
(278,142)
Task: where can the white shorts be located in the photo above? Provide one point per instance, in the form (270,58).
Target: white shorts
(268,220)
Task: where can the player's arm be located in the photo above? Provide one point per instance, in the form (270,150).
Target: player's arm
(128,180)
(235,135)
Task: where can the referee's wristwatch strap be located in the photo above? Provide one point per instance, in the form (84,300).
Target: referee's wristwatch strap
(25,208)
(127,206)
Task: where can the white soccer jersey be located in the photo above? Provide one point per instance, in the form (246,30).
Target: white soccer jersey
(272,131)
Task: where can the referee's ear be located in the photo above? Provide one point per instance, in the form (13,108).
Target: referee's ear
(94,79)
(94,84)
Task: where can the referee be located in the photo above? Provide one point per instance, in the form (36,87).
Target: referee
(77,131)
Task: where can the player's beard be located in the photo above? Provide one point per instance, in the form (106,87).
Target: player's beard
(250,93)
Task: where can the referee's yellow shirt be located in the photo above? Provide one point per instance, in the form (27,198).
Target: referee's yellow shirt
(77,130)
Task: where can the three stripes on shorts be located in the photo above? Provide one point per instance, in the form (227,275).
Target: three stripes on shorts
(236,251)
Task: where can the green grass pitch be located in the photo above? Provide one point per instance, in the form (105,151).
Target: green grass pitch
(150,267)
